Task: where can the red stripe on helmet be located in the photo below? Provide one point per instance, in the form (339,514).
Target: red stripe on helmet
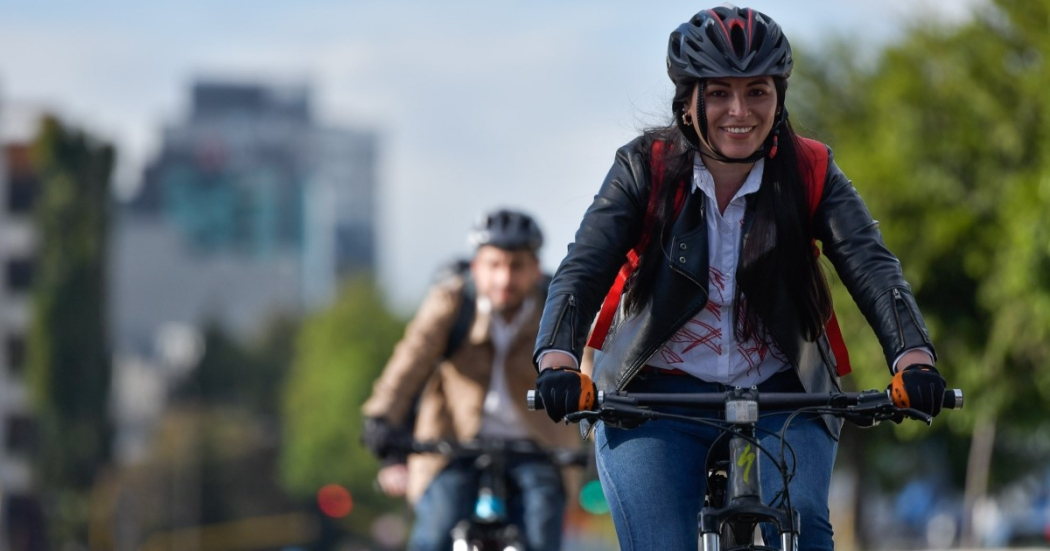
(722,24)
(738,24)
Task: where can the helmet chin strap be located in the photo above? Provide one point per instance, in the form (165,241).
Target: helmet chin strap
(721,157)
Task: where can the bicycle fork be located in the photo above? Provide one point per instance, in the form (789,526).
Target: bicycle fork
(743,509)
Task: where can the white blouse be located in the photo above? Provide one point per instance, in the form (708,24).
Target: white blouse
(706,346)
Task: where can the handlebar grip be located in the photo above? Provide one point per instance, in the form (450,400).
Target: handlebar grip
(953,399)
(533,401)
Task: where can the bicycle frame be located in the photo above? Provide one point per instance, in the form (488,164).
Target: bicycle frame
(744,508)
(489,526)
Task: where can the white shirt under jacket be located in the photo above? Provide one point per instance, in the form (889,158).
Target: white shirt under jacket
(706,346)
(499,418)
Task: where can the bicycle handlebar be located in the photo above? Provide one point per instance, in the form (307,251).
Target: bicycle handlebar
(953,399)
(453,448)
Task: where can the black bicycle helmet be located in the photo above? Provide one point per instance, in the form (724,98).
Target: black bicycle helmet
(726,42)
(507,229)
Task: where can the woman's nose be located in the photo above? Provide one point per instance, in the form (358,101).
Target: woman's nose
(738,106)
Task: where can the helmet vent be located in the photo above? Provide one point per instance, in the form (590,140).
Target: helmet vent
(738,38)
(691,45)
(713,34)
(758,37)
(676,44)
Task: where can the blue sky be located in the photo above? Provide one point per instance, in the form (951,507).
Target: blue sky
(478,103)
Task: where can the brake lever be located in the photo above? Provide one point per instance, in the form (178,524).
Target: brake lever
(880,402)
(613,411)
(897,415)
(577,416)
(918,416)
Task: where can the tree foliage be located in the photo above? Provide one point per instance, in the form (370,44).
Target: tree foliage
(340,352)
(68,362)
(946,137)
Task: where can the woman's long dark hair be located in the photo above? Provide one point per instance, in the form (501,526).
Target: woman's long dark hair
(777,255)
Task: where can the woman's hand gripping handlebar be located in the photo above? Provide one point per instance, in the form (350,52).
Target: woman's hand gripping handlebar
(918,386)
(563,390)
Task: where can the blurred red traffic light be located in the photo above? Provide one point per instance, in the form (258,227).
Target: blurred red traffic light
(334,501)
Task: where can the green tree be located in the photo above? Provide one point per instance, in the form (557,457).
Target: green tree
(68,367)
(340,352)
(946,137)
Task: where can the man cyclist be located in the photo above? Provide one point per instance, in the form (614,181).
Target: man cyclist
(474,391)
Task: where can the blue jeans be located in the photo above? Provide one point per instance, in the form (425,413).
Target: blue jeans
(654,477)
(536,503)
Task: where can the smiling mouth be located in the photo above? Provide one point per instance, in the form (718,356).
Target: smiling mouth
(738,129)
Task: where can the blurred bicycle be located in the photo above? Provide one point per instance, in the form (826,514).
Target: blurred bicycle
(489,526)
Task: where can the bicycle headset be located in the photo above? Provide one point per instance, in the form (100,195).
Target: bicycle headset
(507,229)
(727,42)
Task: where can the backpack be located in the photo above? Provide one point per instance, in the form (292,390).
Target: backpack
(813,179)
(467,304)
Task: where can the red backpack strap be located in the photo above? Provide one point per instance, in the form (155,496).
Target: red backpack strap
(813,157)
(612,299)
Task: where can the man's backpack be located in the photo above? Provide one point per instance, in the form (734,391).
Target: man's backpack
(467,304)
(817,165)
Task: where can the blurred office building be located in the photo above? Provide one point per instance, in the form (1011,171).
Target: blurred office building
(250,209)
(21,520)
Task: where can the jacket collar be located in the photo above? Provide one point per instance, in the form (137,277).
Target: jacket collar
(705,182)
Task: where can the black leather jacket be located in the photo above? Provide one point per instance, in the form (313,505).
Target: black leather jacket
(612,226)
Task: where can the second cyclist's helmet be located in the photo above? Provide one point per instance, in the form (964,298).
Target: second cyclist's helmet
(507,229)
(725,42)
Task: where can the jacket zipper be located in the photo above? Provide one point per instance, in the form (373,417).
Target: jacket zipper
(897,302)
(561,316)
(686,274)
(572,319)
(911,314)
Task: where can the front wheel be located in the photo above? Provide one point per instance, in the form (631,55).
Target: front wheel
(744,536)
(477,536)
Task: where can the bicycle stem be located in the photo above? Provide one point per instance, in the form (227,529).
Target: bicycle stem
(742,410)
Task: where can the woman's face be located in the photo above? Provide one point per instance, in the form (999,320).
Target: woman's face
(740,113)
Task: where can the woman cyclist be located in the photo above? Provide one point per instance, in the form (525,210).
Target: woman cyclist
(722,207)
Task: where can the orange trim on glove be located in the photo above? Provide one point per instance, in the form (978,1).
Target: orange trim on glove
(586,392)
(897,391)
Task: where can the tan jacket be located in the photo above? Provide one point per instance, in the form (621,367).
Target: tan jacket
(454,390)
